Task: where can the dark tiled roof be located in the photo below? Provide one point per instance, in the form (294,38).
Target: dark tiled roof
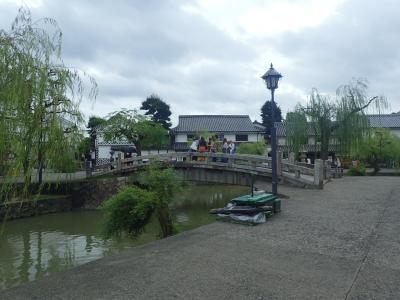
(259,126)
(384,121)
(215,123)
(375,121)
(310,148)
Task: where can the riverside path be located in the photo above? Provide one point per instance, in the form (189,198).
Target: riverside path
(341,242)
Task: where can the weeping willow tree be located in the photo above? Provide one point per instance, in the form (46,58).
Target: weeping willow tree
(340,121)
(296,132)
(39,101)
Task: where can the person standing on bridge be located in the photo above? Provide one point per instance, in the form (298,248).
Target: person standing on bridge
(202,147)
(212,148)
(225,149)
(194,147)
(231,147)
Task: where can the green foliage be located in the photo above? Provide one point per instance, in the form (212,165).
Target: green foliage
(84,147)
(358,170)
(164,182)
(39,98)
(93,125)
(379,147)
(132,208)
(266,115)
(205,134)
(128,211)
(296,132)
(258,148)
(136,129)
(342,118)
(158,110)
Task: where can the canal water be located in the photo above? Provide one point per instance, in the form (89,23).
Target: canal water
(34,247)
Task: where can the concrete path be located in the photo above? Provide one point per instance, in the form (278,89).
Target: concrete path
(342,242)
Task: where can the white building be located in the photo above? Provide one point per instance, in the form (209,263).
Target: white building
(236,128)
(390,122)
(103,149)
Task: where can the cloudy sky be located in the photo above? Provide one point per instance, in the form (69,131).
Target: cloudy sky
(207,56)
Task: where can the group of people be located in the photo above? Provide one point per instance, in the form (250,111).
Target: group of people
(200,145)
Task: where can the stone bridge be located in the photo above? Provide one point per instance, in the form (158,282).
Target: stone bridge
(222,168)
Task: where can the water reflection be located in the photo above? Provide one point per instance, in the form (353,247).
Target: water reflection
(34,247)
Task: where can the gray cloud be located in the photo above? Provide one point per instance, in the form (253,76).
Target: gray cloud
(361,41)
(135,48)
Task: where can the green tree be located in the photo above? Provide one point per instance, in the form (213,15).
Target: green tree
(341,120)
(84,147)
(39,98)
(166,184)
(128,211)
(132,208)
(93,126)
(158,110)
(135,129)
(379,147)
(258,148)
(266,115)
(296,132)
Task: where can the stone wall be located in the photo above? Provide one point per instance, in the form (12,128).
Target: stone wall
(91,194)
(31,208)
(88,194)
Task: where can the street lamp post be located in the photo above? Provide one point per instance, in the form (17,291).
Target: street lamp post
(271,78)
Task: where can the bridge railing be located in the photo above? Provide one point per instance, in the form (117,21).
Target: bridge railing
(255,164)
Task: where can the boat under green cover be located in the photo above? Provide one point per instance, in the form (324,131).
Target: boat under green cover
(255,200)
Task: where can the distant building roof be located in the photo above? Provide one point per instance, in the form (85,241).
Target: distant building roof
(375,121)
(215,123)
(259,126)
(384,121)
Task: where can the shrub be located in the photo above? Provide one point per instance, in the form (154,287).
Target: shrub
(132,208)
(358,170)
(252,148)
(128,211)
(166,184)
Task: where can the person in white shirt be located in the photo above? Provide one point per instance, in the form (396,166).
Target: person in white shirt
(194,148)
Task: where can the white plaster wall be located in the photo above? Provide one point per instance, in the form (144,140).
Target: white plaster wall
(181,138)
(395,132)
(253,137)
(99,138)
(230,137)
(104,151)
(281,141)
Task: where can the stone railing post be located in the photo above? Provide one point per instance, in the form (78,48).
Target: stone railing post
(291,158)
(119,162)
(88,168)
(318,173)
(326,169)
(279,158)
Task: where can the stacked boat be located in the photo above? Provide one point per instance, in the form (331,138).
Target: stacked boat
(249,209)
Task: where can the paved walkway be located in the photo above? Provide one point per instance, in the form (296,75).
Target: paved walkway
(342,242)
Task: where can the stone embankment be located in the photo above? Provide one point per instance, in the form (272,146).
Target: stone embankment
(88,194)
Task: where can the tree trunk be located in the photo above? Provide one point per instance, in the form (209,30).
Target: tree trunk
(25,166)
(40,159)
(165,220)
(138,149)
